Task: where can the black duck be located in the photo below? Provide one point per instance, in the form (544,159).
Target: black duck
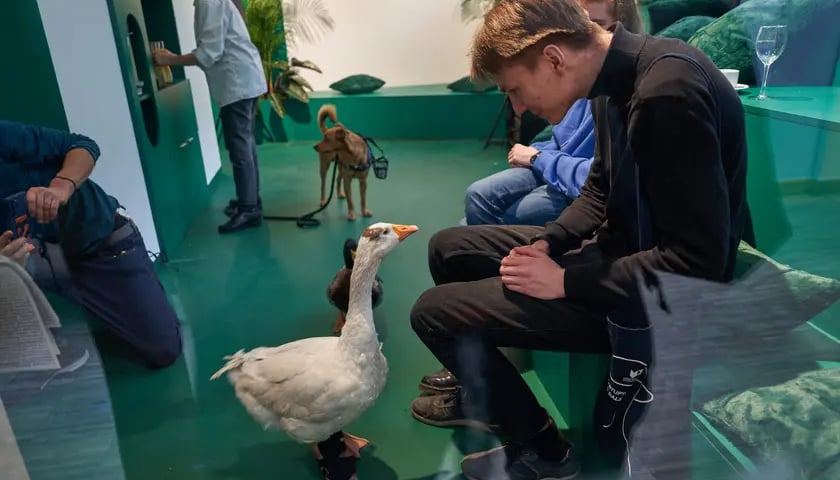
(338,291)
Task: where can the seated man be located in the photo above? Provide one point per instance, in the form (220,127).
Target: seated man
(543,179)
(107,260)
(563,173)
(666,192)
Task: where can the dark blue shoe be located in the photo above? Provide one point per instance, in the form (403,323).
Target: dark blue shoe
(516,461)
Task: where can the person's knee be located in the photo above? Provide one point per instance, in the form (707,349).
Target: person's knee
(163,353)
(446,240)
(426,314)
(476,202)
(163,344)
(475,195)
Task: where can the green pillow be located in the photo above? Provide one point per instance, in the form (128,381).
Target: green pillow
(663,13)
(778,297)
(729,40)
(685,27)
(795,420)
(465,84)
(360,83)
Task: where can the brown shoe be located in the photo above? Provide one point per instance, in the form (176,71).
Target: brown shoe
(440,381)
(444,410)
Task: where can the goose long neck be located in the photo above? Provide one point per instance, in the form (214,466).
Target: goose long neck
(359,327)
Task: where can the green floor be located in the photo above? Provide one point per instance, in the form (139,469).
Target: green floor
(267,286)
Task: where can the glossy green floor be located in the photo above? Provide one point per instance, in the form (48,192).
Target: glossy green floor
(267,287)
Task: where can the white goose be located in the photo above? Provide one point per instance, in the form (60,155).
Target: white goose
(312,388)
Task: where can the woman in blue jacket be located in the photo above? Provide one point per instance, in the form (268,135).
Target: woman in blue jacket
(543,179)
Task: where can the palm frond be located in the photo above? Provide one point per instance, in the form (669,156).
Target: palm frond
(267,25)
(262,18)
(475,9)
(306,20)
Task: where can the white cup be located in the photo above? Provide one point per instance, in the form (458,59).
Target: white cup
(731,74)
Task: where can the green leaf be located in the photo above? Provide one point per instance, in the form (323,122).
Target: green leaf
(305,64)
(277,104)
(296,78)
(297,92)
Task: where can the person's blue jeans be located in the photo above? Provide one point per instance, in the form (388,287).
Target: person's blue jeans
(238,130)
(516,196)
(118,285)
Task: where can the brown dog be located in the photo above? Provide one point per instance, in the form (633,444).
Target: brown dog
(352,152)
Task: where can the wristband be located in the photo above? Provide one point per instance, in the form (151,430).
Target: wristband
(75,187)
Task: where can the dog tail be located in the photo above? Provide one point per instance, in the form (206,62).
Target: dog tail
(325,112)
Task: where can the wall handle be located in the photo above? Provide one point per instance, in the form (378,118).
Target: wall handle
(187,142)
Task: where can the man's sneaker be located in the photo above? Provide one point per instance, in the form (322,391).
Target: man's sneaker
(516,461)
(445,410)
(440,381)
(233,207)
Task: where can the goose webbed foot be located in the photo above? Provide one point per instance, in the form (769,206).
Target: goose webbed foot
(353,444)
(338,454)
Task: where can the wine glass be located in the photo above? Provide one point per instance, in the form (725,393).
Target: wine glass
(769,45)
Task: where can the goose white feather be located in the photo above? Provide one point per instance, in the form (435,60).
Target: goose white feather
(314,387)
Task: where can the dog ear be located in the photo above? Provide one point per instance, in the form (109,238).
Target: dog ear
(340,133)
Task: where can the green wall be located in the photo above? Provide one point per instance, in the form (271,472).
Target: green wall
(28,88)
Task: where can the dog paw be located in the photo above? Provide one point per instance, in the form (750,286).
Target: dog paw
(367,213)
(341,195)
(323,202)
(351,216)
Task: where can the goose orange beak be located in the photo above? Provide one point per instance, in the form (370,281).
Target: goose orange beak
(403,231)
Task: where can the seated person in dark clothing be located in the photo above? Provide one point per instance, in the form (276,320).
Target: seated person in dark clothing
(666,193)
(112,275)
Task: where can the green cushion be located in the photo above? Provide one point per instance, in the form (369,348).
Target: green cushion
(811,293)
(729,40)
(795,420)
(465,84)
(546,134)
(779,298)
(360,83)
(663,13)
(685,27)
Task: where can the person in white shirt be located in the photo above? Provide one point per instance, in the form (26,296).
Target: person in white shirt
(236,80)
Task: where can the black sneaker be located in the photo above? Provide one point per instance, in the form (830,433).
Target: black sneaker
(440,381)
(241,221)
(444,410)
(233,206)
(517,461)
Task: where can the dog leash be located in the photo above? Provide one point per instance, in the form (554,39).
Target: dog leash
(307,220)
(380,170)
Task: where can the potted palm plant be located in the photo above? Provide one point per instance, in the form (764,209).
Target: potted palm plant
(273,25)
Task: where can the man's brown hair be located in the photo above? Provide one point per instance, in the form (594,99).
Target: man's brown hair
(513,29)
